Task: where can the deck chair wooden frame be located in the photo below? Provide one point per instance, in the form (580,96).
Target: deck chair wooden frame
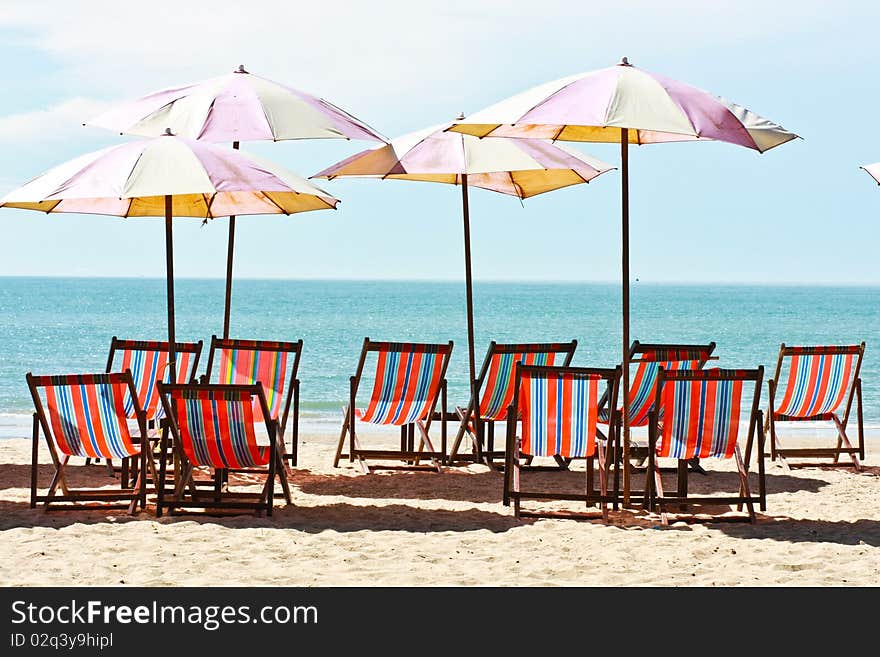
(477,421)
(421,418)
(289,399)
(218,453)
(642,388)
(821,408)
(706,423)
(89,420)
(569,433)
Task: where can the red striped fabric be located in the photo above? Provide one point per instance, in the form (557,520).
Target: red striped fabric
(701,417)
(246,364)
(148,363)
(406,385)
(819,379)
(559,413)
(87,415)
(499,382)
(217,429)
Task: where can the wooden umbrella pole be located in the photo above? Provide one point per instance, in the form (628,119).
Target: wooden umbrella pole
(169,275)
(470,313)
(624,171)
(229,250)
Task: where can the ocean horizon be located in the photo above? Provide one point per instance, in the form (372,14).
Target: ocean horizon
(54,325)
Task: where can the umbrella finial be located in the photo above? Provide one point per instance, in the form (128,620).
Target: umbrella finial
(460,116)
(625,62)
(167,133)
(241,69)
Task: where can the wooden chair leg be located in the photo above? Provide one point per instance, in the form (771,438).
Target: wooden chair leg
(843,440)
(341,437)
(603,481)
(744,483)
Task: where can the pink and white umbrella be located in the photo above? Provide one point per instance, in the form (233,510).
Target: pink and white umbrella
(627,105)
(235,107)
(517,167)
(873,170)
(167,176)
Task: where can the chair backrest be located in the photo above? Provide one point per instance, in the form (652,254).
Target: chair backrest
(648,358)
(498,374)
(701,410)
(559,408)
(215,424)
(84,414)
(820,380)
(408,380)
(148,362)
(245,362)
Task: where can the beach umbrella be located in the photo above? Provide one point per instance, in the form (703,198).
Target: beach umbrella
(167,176)
(626,105)
(235,107)
(873,170)
(518,167)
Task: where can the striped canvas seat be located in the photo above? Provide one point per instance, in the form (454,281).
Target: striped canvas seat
(148,362)
(559,408)
(700,414)
(406,384)
(84,415)
(497,389)
(643,386)
(819,379)
(700,417)
(496,385)
(558,413)
(87,415)
(270,363)
(216,428)
(820,383)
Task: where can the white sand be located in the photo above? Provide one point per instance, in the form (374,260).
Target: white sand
(821,528)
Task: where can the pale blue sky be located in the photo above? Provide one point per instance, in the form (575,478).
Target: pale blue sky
(803,212)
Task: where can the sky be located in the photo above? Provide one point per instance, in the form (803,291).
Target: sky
(700,212)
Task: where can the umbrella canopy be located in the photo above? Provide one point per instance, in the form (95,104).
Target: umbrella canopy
(597,106)
(239,106)
(628,105)
(521,167)
(873,170)
(518,167)
(164,176)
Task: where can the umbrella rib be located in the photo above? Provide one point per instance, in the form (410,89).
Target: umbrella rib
(516,186)
(272,201)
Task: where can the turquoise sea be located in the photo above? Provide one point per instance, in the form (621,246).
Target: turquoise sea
(64,325)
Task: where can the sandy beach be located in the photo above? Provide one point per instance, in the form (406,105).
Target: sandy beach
(821,528)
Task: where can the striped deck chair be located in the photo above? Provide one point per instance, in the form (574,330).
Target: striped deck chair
(148,362)
(495,385)
(409,381)
(646,359)
(84,415)
(214,428)
(821,381)
(699,414)
(273,364)
(559,407)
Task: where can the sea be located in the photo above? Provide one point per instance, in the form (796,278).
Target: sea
(64,325)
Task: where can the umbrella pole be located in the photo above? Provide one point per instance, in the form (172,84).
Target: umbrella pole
(169,276)
(229,249)
(624,178)
(470,313)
